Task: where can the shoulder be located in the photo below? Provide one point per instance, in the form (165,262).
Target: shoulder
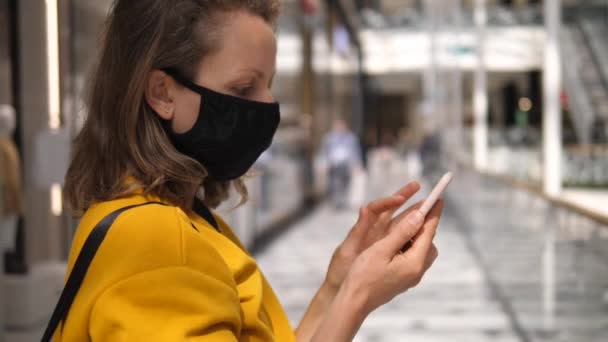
(135,215)
(228,231)
(144,234)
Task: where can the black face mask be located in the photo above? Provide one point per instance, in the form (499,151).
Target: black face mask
(230,133)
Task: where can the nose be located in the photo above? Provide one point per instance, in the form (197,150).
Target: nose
(267,96)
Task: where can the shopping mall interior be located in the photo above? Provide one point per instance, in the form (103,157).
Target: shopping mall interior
(509,95)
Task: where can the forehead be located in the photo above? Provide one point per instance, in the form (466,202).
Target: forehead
(247,41)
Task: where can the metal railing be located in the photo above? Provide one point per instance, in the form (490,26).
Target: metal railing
(546,257)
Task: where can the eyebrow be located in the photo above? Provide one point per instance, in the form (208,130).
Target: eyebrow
(260,74)
(257,72)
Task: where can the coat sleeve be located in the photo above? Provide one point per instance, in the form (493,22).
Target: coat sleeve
(176,303)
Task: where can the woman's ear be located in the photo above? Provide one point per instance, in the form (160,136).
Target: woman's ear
(157,94)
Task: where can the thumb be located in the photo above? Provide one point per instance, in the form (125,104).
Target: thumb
(402,233)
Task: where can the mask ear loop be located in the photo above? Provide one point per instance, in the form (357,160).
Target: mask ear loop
(176,75)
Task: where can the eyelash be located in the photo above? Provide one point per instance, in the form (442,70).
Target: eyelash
(243,91)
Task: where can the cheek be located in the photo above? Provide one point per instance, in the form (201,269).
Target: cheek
(186,112)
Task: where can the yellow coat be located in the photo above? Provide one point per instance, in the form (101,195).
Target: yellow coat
(158,278)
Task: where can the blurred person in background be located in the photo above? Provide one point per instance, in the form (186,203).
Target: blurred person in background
(430,150)
(599,131)
(381,163)
(523,134)
(11,201)
(341,151)
(305,152)
(409,152)
(179,109)
(387,149)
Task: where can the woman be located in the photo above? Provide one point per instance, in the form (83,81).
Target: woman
(179,109)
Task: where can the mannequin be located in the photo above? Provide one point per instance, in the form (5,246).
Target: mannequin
(11,202)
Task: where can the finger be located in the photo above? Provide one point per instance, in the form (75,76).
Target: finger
(384,210)
(401,234)
(409,190)
(386,217)
(384,222)
(406,212)
(380,227)
(424,241)
(431,257)
(358,231)
(428,262)
(395,201)
(382,205)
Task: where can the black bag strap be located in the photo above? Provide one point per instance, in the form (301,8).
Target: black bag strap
(81,266)
(201,210)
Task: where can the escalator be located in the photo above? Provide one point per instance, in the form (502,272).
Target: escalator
(585,51)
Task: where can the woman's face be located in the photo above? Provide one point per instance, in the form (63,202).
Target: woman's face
(243,66)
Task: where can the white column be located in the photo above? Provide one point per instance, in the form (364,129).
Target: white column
(552,116)
(457,82)
(43,230)
(480,93)
(430,74)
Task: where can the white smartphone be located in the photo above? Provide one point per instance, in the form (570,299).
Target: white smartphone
(430,201)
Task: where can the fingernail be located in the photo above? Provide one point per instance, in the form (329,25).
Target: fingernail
(415,218)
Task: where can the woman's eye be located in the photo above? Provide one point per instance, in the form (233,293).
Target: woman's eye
(244,91)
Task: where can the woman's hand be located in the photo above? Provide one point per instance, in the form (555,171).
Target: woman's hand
(374,222)
(381,273)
